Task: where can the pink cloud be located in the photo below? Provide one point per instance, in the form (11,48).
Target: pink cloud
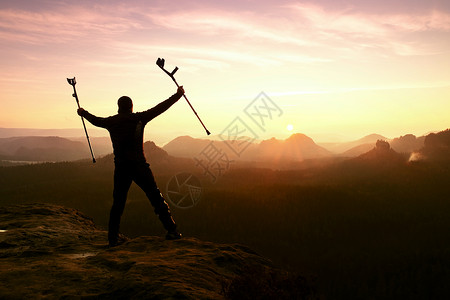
(60,25)
(346,20)
(284,34)
(348,29)
(432,21)
(228,24)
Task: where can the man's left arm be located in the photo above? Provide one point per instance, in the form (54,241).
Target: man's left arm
(163,106)
(94,120)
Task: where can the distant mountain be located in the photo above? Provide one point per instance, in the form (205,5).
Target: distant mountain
(297,147)
(54,149)
(407,143)
(340,148)
(358,150)
(71,132)
(382,154)
(437,146)
(51,148)
(371,138)
(403,144)
(158,158)
(34,148)
(153,153)
(100,145)
(185,146)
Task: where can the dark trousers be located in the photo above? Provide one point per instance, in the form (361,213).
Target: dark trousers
(141,174)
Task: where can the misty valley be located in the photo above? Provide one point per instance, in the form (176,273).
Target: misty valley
(370,224)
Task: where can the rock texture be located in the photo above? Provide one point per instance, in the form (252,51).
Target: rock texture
(437,146)
(49,251)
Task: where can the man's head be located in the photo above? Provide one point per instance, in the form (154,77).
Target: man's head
(125,104)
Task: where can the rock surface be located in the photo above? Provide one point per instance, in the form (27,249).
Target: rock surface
(49,251)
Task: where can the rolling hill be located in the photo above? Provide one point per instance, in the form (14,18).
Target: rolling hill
(50,148)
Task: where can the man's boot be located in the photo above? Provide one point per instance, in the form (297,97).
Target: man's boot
(167,221)
(169,224)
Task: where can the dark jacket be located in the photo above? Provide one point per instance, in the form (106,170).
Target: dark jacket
(127,130)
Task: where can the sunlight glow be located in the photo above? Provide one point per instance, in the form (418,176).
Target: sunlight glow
(340,70)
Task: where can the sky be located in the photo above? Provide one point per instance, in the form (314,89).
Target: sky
(334,70)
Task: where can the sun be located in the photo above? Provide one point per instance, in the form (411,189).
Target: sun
(290,127)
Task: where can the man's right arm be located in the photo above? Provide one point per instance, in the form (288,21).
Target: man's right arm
(163,106)
(94,120)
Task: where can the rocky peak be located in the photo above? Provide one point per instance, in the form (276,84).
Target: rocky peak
(382,145)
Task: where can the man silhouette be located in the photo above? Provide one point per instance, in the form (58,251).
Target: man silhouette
(127,133)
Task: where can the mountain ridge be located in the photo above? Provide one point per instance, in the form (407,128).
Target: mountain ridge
(51,148)
(296,148)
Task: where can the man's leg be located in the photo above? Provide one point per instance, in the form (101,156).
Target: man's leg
(145,180)
(122,183)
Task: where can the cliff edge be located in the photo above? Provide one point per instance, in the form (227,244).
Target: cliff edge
(49,251)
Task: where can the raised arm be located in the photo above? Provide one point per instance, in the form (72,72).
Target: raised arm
(94,120)
(163,106)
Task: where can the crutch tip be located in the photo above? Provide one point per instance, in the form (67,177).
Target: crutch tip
(207,132)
